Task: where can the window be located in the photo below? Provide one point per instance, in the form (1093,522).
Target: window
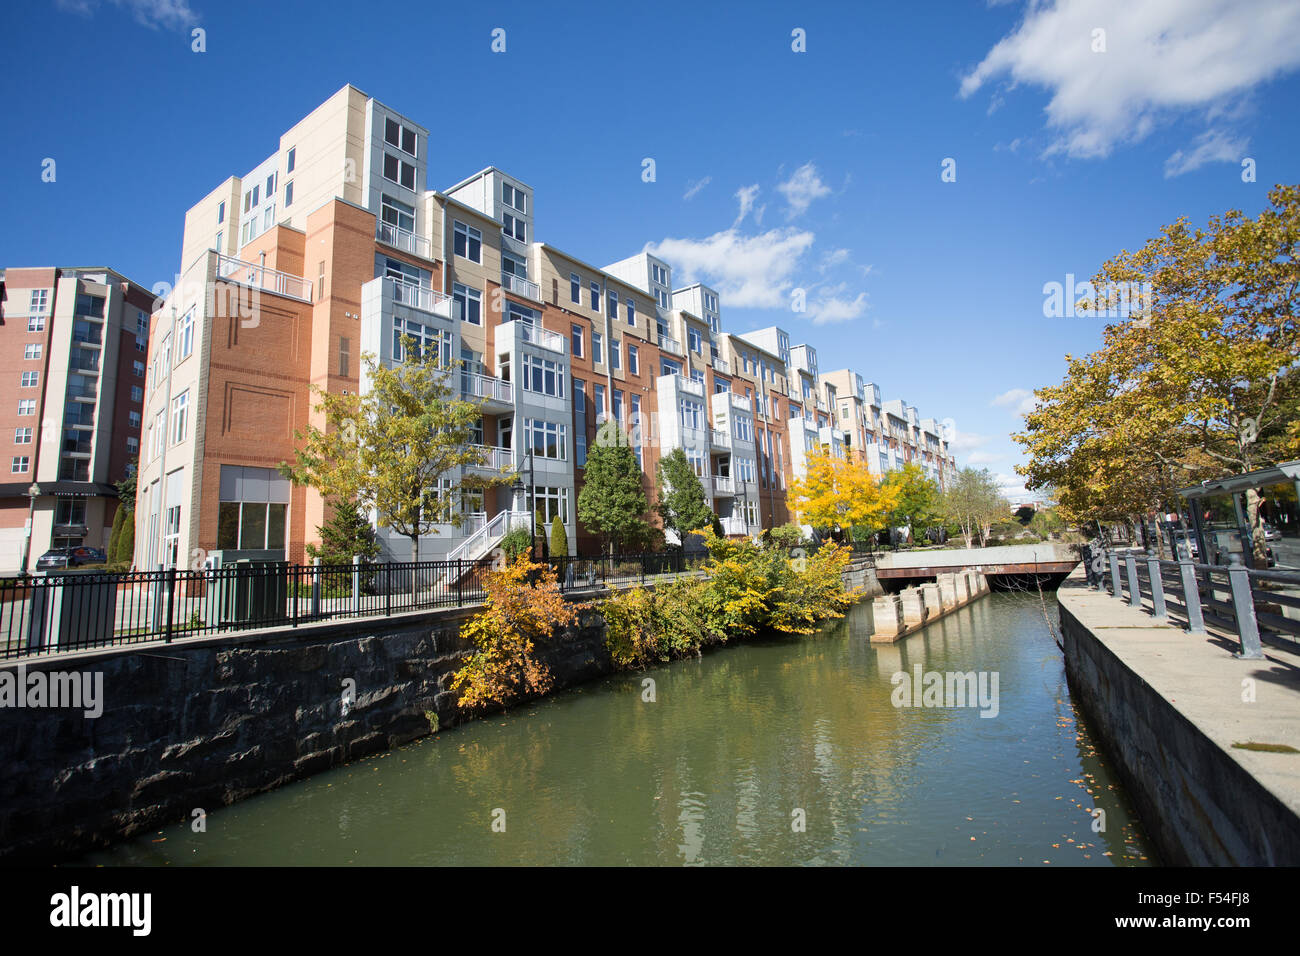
(597,348)
(270,186)
(403,137)
(288,193)
(696,340)
(612,311)
(345,355)
(396,213)
(598,399)
(745,469)
(252,509)
(399,171)
(159,433)
(469,302)
(513,227)
(634,420)
(551,502)
(615,353)
(633,365)
(32,350)
(185,336)
(90,305)
(662,298)
(595,296)
(22,436)
(631,312)
(29,379)
(468,242)
(137,393)
(36,323)
(744,428)
(513,265)
(575,287)
(39,300)
(577,341)
(132,445)
(138,368)
(133,419)
(27,406)
(19,465)
(513,197)
(669,367)
(221,212)
(546,439)
(268,220)
(618,405)
(659,273)
(521,313)
(180,417)
(292,156)
(692,414)
(426,340)
(219,247)
(544,376)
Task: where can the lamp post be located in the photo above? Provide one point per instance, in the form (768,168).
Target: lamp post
(518,489)
(33,493)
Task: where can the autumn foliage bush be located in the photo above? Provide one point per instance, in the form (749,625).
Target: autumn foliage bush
(749,589)
(524,605)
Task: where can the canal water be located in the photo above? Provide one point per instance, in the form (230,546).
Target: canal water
(779,751)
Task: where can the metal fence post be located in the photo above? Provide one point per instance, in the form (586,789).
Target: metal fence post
(356,584)
(460,585)
(1191,597)
(388,589)
(171,601)
(1243,609)
(315,588)
(1158,608)
(1134,586)
(1116,589)
(295,578)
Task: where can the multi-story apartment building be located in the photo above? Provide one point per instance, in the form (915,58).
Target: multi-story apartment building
(72,367)
(335,246)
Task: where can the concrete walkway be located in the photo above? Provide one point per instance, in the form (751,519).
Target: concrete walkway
(1183,751)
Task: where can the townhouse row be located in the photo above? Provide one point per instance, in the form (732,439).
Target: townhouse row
(335,246)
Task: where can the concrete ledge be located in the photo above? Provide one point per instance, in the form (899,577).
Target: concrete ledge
(1169,707)
(894,616)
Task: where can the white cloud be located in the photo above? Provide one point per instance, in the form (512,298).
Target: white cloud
(1012,487)
(983,458)
(804,186)
(692,188)
(1212,146)
(832,259)
(171,14)
(748,271)
(961,443)
(1162,58)
(835,308)
(746,196)
(1020,400)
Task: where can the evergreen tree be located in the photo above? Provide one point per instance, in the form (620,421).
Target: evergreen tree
(559,539)
(345,534)
(126,541)
(612,502)
(116,535)
(681,503)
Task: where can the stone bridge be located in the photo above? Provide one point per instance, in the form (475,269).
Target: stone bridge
(1011,565)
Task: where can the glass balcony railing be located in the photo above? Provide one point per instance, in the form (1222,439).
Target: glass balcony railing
(259,277)
(477,385)
(521,286)
(399,238)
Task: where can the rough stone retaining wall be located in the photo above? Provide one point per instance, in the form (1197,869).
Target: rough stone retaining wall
(203,723)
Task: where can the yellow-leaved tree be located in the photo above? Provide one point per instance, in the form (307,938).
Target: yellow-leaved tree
(842,492)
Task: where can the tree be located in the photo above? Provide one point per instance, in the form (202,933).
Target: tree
(838,491)
(559,539)
(391,449)
(345,534)
(917,498)
(612,503)
(1199,383)
(115,535)
(973,502)
(126,542)
(717,527)
(680,496)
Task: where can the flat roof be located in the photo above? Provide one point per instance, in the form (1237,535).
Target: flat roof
(1260,478)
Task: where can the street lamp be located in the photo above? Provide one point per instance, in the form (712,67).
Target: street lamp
(518,489)
(33,492)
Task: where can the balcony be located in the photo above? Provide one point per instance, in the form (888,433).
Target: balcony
(721,438)
(723,485)
(259,277)
(490,390)
(536,335)
(734,524)
(521,286)
(690,386)
(738,402)
(418,297)
(669,344)
(403,239)
(821,406)
(721,365)
(494,458)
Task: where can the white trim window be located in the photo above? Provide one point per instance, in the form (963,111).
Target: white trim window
(396,213)
(543,376)
(36,323)
(615,354)
(399,171)
(546,439)
(27,406)
(633,362)
(597,348)
(22,436)
(514,227)
(692,414)
(32,350)
(631,312)
(30,379)
(575,288)
(470,302)
(514,198)
(180,417)
(39,301)
(19,465)
(467,242)
(401,136)
(185,335)
(133,419)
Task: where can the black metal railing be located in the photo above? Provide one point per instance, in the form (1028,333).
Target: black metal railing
(1230,598)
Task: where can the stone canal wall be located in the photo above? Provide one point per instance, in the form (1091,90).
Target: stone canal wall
(203,723)
(1199,737)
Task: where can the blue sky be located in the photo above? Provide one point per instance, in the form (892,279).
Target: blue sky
(775,170)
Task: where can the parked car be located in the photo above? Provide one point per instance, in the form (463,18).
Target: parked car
(1271,533)
(57,558)
(1186,540)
